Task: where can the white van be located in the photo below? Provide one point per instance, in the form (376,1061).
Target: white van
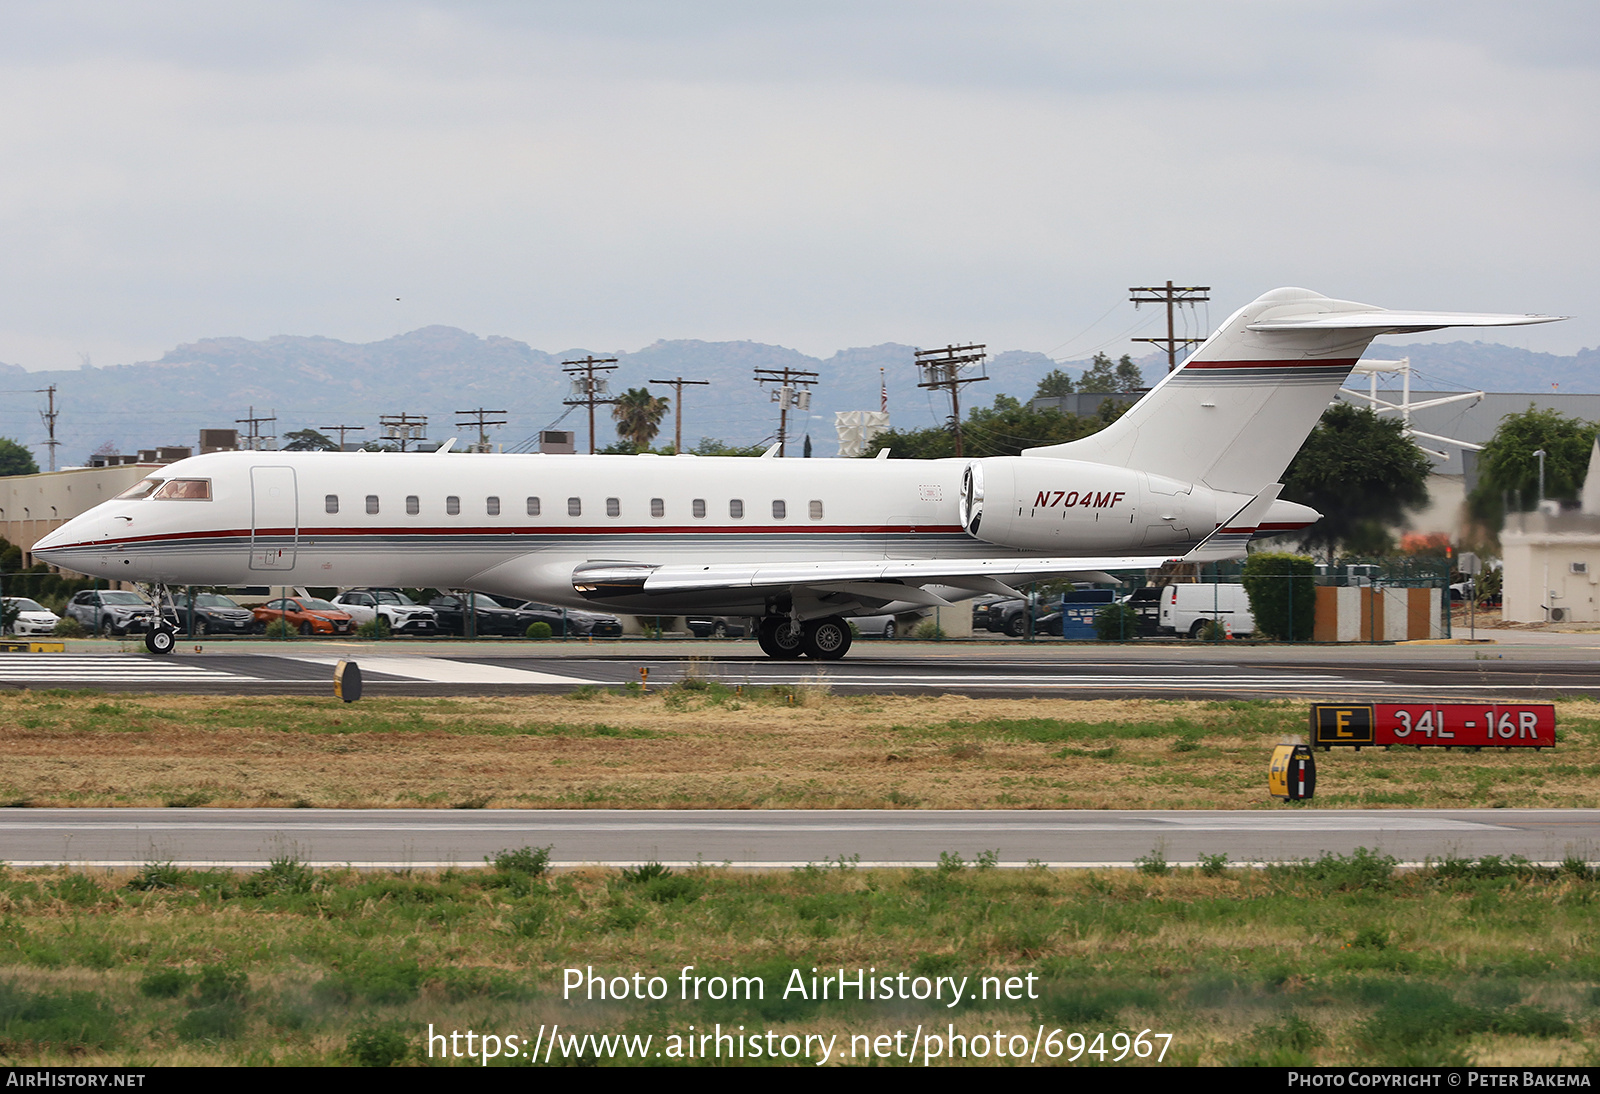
(1185,608)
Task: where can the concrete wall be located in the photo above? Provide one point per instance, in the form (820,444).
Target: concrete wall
(1353,614)
(1539,551)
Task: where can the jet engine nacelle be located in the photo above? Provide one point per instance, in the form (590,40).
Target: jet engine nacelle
(1069,505)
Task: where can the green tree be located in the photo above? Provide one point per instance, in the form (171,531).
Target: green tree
(309,440)
(1101,375)
(711,446)
(1508,468)
(638,416)
(1357,470)
(1128,376)
(1283,594)
(1004,429)
(1055,384)
(15,459)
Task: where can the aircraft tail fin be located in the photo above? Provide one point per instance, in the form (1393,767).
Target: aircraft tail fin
(1236,412)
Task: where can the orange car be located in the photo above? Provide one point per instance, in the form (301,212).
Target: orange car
(311,615)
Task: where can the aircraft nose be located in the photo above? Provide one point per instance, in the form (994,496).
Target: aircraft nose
(58,544)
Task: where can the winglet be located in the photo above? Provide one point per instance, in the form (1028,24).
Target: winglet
(1231,536)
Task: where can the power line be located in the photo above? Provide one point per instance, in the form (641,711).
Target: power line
(941,368)
(588,388)
(255,440)
(343,429)
(404,429)
(788,395)
(1172,296)
(677,386)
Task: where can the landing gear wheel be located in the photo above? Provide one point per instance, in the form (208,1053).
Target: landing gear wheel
(825,639)
(779,638)
(160,640)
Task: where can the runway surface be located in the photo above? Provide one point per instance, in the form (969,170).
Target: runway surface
(1059,670)
(418,838)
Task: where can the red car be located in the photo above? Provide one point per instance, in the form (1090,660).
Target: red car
(308,613)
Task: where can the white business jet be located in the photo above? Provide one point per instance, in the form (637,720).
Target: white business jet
(1189,472)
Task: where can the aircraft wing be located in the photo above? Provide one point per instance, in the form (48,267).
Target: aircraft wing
(1397,322)
(903,579)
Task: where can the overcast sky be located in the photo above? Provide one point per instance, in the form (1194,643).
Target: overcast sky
(814,174)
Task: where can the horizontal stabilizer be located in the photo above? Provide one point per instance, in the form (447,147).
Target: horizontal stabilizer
(1231,536)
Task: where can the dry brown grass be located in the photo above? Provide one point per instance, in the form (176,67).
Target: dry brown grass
(695,749)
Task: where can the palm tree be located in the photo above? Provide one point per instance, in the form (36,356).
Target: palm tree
(638,416)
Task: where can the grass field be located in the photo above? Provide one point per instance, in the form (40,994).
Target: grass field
(702,745)
(1331,962)
(1334,961)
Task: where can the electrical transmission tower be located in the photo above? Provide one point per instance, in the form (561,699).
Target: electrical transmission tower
(476,420)
(1173,296)
(343,429)
(404,429)
(941,369)
(588,388)
(255,440)
(790,394)
(677,384)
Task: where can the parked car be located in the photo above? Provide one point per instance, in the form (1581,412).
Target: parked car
(33,618)
(570,621)
(405,615)
(490,617)
(717,626)
(111,612)
(213,614)
(309,614)
(986,611)
(887,626)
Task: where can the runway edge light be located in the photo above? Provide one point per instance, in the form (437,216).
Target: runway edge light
(347,681)
(1292,774)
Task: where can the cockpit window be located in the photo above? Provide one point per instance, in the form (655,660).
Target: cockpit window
(185,490)
(140,489)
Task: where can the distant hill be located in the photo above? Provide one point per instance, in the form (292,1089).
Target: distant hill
(437,371)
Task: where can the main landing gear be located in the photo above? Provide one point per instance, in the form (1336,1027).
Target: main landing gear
(819,639)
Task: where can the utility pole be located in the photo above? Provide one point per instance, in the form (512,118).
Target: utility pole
(255,440)
(404,428)
(789,394)
(1172,296)
(677,386)
(49,417)
(588,388)
(481,425)
(941,368)
(343,429)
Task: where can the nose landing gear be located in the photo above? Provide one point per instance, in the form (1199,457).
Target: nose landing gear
(161,637)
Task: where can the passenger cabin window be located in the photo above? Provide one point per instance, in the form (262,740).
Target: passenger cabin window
(698,507)
(533,507)
(372,504)
(185,490)
(613,507)
(413,506)
(658,508)
(331,503)
(141,489)
(736,509)
(574,507)
(780,510)
(452,505)
(493,506)
(816,510)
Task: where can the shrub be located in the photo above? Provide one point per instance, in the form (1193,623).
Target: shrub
(69,628)
(376,627)
(1116,623)
(540,630)
(528,861)
(282,875)
(647,871)
(281,628)
(1283,594)
(156,875)
(378,1046)
(1212,630)
(929,632)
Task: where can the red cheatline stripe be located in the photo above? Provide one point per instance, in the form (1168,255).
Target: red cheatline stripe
(329,533)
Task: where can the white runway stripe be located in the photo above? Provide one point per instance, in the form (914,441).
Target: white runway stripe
(438,670)
(45,667)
